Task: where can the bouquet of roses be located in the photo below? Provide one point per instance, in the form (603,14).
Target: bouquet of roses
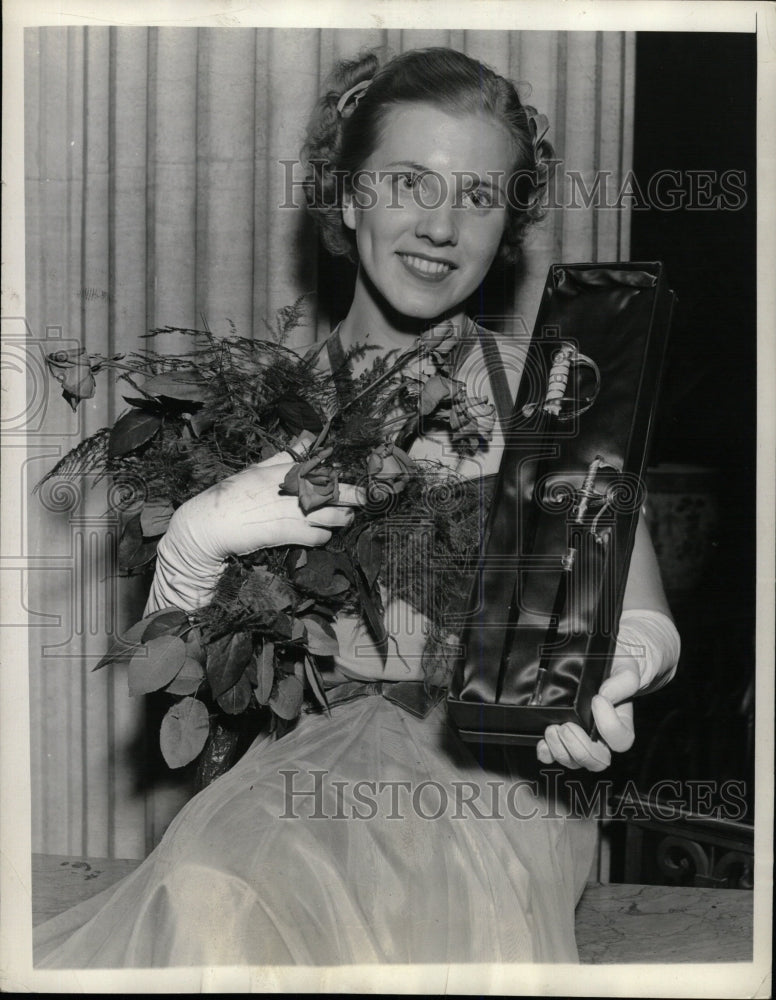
(257,648)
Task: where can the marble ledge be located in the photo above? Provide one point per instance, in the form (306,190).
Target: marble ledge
(656,923)
(614,923)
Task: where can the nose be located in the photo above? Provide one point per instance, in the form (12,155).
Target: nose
(436,220)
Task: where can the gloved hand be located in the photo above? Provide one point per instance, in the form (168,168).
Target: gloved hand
(234,517)
(645,659)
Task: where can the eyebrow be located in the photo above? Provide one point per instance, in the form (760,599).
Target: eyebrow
(413,166)
(420,168)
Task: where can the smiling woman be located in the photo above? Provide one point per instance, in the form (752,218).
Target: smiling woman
(242,875)
(425,245)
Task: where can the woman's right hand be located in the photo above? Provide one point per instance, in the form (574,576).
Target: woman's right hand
(239,515)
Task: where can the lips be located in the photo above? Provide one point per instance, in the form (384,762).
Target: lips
(426,268)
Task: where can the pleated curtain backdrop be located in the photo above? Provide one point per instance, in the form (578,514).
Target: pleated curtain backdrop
(154,175)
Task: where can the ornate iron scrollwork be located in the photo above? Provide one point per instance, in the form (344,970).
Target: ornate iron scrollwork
(682,861)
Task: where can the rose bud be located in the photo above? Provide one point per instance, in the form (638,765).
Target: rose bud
(319,489)
(472,420)
(291,481)
(74,372)
(439,341)
(313,482)
(435,391)
(389,468)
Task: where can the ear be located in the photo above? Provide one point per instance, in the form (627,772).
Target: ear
(349,210)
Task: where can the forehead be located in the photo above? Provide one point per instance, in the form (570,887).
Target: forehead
(438,140)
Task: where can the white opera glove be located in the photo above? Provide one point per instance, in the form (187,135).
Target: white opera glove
(645,659)
(239,515)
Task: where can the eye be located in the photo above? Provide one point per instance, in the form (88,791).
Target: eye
(479,197)
(407,181)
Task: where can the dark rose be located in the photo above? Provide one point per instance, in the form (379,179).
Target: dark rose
(439,341)
(472,420)
(313,482)
(72,369)
(435,391)
(389,469)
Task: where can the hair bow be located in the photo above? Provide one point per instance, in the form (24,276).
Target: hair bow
(356,92)
(539,126)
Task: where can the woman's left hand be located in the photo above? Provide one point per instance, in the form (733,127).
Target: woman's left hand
(569,745)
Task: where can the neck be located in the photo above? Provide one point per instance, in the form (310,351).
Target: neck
(371,320)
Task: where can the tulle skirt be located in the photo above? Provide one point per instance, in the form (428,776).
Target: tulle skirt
(366,836)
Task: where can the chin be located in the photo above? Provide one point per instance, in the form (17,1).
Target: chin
(421,312)
(424,307)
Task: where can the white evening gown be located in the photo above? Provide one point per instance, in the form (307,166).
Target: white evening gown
(233,882)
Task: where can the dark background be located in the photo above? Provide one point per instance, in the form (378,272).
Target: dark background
(695,110)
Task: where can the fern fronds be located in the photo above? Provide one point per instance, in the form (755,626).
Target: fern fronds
(87,456)
(288,318)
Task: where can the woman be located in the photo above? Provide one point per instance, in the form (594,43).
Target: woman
(319,848)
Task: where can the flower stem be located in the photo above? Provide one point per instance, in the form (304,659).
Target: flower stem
(412,352)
